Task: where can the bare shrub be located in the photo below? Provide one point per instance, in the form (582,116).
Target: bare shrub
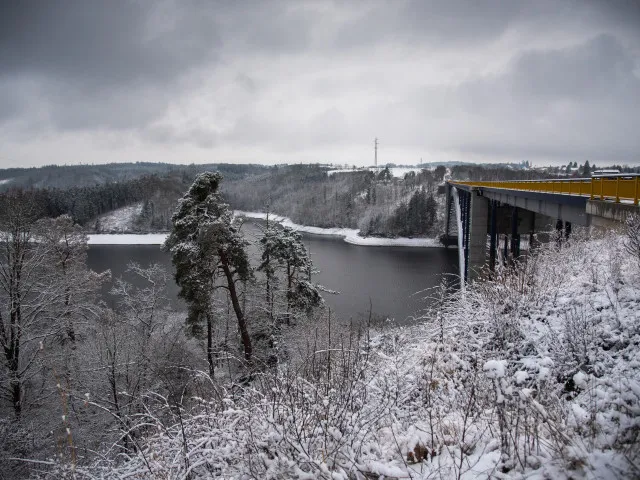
(632,234)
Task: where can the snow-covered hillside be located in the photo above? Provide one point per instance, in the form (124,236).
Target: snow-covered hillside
(533,374)
(119,220)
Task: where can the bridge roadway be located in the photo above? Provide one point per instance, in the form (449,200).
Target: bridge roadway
(511,209)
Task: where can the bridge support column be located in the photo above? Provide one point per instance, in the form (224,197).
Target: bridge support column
(447,213)
(505,250)
(559,227)
(543,226)
(478,223)
(515,236)
(493,234)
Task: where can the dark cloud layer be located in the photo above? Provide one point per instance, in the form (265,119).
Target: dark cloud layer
(101,64)
(284,80)
(97,44)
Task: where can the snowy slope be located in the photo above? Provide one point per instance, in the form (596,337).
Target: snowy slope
(119,220)
(535,374)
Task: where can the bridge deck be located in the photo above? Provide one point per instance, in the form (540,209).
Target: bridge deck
(614,188)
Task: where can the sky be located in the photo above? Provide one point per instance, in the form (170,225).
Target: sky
(195,81)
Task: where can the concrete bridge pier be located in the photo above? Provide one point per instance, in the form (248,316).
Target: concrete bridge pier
(493,234)
(543,226)
(477,239)
(507,226)
(563,231)
(515,235)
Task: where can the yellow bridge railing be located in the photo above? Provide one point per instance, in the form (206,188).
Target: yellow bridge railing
(617,188)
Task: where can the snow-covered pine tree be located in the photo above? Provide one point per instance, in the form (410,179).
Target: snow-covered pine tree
(283,247)
(205,244)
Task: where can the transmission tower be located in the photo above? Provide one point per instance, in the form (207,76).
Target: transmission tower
(375,150)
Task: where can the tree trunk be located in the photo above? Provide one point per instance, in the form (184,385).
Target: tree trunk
(71,333)
(242,324)
(13,352)
(15,384)
(289,292)
(210,343)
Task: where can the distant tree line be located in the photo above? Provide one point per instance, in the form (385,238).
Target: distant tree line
(84,204)
(68,176)
(490,173)
(586,169)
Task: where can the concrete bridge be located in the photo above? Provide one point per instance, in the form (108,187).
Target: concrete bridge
(505,212)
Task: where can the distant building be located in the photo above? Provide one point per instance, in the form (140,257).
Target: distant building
(610,171)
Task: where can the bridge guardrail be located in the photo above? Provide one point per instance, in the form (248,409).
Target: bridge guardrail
(617,188)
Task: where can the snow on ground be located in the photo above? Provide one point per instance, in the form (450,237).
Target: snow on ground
(400,172)
(350,235)
(127,239)
(4,181)
(119,220)
(346,170)
(534,374)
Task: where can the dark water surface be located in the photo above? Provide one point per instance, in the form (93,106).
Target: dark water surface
(389,276)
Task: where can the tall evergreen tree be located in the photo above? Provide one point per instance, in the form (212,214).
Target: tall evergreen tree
(283,247)
(205,245)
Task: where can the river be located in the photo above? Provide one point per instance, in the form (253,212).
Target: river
(390,277)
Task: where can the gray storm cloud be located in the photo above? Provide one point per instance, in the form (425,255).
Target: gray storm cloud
(317,80)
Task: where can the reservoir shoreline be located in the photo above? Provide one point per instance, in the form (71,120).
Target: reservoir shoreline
(349,235)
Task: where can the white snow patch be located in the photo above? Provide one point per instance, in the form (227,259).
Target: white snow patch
(4,181)
(385,470)
(350,235)
(579,414)
(495,368)
(521,376)
(119,220)
(580,380)
(127,239)
(544,373)
(546,362)
(400,172)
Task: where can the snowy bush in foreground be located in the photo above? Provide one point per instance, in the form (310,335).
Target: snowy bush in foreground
(534,373)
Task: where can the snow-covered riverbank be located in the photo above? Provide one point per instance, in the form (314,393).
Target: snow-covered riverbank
(349,235)
(127,238)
